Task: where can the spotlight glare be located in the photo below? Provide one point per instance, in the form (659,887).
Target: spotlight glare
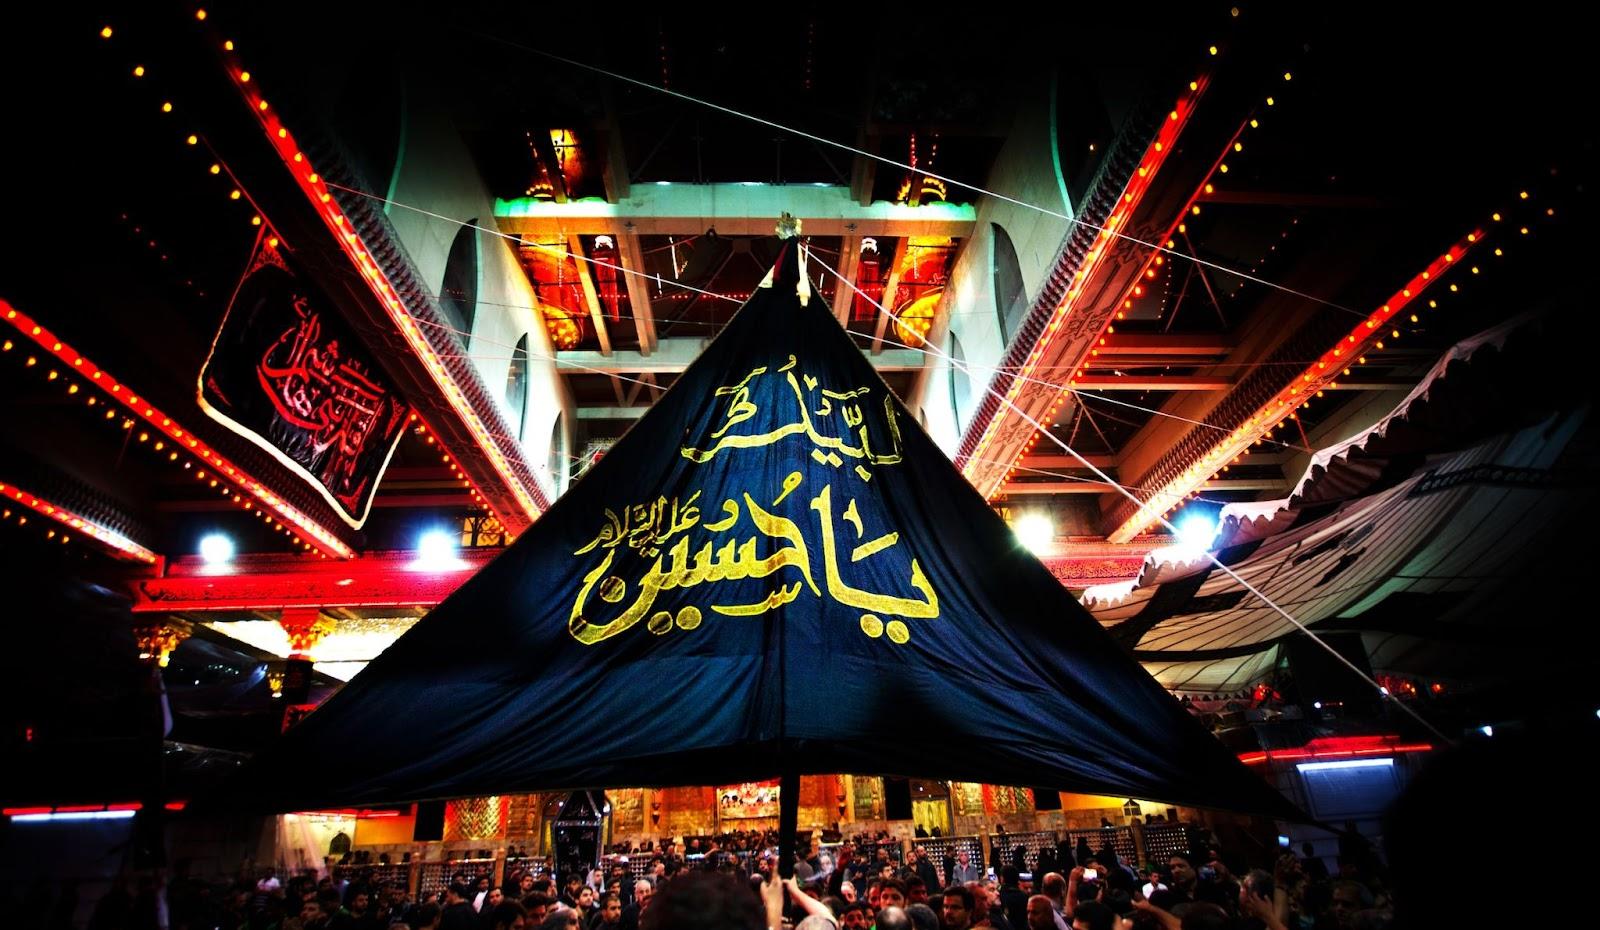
(436,552)
(1035,532)
(216,549)
(1196,530)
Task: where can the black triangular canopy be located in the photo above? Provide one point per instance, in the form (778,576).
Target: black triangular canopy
(775,567)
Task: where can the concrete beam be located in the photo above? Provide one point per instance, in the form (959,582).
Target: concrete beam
(611,413)
(644,318)
(674,355)
(590,295)
(747,209)
(891,294)
(849,263)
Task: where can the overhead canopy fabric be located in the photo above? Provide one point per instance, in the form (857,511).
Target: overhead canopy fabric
(774,568)
(1401,532)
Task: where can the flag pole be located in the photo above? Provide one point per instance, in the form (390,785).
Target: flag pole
(788,816)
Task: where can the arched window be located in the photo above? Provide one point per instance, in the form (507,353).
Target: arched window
(458,292)
(960,384)
(558,454)
(1009,299)
(517,384)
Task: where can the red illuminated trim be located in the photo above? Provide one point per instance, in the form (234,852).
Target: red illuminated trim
(120,545)
(358,813)
(344,233)
(72,809)
(1143,177)
(1336,747)
(305,528)
(283,582)
(1336,361)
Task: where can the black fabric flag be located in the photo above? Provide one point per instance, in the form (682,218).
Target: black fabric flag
(775,567)
(287,374)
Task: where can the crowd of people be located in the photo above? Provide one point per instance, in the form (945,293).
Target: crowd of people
(732,882)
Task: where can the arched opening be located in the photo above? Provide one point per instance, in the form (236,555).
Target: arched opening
(458,292)
(517,384)
(1010,301)
(960,384)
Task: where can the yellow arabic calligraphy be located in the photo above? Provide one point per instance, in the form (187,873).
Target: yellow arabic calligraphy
(741,408)
(734,560)
(646,526)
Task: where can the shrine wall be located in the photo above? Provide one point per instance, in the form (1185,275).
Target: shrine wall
(435,172)
(1024,169)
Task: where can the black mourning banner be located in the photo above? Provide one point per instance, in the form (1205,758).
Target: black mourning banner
(775,570)
(287,374)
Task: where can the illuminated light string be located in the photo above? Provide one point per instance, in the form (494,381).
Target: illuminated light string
(724,296)
(243,77)
(294,523)
(137,230)
(528,496)
(234,491)
(1211,557)
(1152,160)
(1236,146)
(73,521)
(1136,289)
(1070,387)
(1298,394)
(219,166)
(421,426)
(1104,231)
(639,272)
(886,339)
(1316,376)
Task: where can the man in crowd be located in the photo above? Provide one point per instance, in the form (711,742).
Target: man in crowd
(536,905)
(965,871)
(854,916)
(1041,913)
(956,908)
(458,913)
(891,893)
(608,915)
(1181,886)
(1092,915)
(642,891)
(1012,899)
(1054,887)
